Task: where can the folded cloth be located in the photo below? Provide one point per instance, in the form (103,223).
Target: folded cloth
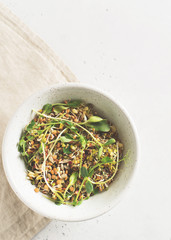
(26,65)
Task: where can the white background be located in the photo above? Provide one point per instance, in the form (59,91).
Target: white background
(123,47)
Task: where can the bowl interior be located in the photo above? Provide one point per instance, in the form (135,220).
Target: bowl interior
(15,168)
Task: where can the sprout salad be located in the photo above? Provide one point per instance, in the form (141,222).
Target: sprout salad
(70,152)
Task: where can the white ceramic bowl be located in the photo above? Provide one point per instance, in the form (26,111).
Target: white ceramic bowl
(15,169)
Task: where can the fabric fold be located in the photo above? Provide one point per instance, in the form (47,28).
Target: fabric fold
(26,65)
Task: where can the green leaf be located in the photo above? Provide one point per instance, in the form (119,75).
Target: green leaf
(59,104)
(69,136)
(21,145)
(110,141)
(73,103)
(95,191)
(83,141)
(94,119)
(65,139)
(22,142)
(24,154)
(47,108)
(87,198)
(58,202)
(101,126)
(30,126)
(107,160)
(90,172)
(72,181)
(84,172)
(89,187)
(58,109)
(67,150)
(79,202)
(30,137)
(73,178)
(40,131)
(40,150)
(76,203)
(100,151)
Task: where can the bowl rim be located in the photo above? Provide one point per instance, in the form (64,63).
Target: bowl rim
(75,85)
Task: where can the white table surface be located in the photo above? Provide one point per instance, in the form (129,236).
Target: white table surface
(123,47)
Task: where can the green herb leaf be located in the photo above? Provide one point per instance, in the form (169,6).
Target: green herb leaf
(58,104)
(84,172)
(101,126)
(74,202)
(94,119)
(89,187)
(90,172)
(100,151)
(73,103)
(47,108)
(65,139)
(67,150)
(87,198)
(83,141)
(110,141)
(21,145)
(58,109)
(73,178)
(95,191)
(22,142)
(72,181)
(39,132)
(58,202)
(79,202)
(107,160)
(30,126)
(40,150)
(30,137)
(24,154)
(69,136)
(32,182)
